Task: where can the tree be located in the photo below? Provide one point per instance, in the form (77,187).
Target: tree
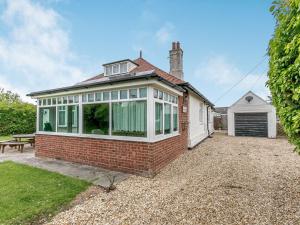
(8,96)
(284,63)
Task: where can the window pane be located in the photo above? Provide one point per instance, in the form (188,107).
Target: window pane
(175,118)
(160,94)
(84,98)
(123,67)
(114,95)
(158,118)
(98,96)
(40,102)
(167,118)
(76,98)
(143,92)
(166,96)
(71,99)
(65,100)
(49,101)
(201,113)
(155,93)
(96,119)
(129,118)
(44,102)
(108,70)
(90,97)
(123,94)
(133,93)
(47,119)
(59,100)
(116,69)
(62,116)
(105,96)
(53,101)
(68,119)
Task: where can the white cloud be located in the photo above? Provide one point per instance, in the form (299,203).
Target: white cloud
(224,74)
(165,33)
(35,53)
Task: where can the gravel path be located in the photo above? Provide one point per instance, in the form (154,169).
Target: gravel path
(225,180)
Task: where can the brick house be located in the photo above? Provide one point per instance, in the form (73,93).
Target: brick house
(134,117)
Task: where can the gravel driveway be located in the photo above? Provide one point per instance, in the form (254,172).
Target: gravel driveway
(225,180)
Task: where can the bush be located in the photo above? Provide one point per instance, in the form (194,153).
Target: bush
(284,76)
(17,117)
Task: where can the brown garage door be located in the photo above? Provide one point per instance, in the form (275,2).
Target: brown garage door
(251,124)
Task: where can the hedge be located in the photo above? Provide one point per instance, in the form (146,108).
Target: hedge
(17,118)
(284,63)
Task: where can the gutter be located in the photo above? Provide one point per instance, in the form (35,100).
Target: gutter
(193,89)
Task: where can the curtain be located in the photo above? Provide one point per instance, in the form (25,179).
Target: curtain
(129,118)
(167,118)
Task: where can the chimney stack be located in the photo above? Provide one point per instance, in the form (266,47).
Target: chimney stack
(176,60)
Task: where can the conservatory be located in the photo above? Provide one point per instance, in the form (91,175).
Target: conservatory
(141,113)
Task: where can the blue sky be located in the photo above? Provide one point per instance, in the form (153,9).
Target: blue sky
(52,43)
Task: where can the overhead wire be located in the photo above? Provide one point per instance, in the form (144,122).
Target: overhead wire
(243,78)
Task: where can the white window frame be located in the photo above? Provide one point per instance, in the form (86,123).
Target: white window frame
(151,137)
(65,113)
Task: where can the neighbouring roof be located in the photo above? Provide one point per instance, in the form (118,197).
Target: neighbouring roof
(143,70)
(221,110)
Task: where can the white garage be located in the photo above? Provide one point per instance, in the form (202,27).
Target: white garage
(252,116)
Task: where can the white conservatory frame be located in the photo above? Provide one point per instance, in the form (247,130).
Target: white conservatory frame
(150,86)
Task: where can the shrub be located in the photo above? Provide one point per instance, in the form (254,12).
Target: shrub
(17,117)
(284,75)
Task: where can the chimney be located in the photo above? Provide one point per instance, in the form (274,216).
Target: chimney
(176,60)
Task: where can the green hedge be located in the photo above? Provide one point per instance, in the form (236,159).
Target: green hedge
(284,73)
(17,118)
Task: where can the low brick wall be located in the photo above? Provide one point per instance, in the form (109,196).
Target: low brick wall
(127,156)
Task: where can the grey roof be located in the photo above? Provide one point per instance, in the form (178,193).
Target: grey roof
(123,60)
(109,80)
(190,87)
(222,110)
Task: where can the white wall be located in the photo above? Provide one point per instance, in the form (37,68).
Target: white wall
(257,105)
(197,128)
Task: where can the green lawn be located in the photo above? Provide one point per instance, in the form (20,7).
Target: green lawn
(28,193)
(5,138)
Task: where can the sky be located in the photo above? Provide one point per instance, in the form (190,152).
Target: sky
(54,43)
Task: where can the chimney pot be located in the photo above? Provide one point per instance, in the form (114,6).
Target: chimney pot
(173,45)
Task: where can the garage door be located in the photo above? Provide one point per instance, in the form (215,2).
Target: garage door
(251,124)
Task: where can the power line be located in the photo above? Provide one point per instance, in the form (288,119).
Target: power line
(243,78)
(259,77)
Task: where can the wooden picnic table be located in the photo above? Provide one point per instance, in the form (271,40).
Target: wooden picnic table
(30,138)
(19,145)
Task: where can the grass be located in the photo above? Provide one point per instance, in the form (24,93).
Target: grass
(6,138)
(28,194)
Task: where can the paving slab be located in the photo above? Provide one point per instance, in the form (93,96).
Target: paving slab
(95,175)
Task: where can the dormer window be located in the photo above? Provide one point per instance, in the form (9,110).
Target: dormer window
(119,67)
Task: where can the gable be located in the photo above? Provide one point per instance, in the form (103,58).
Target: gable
(256,100)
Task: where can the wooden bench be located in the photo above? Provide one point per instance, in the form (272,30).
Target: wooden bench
(19,145)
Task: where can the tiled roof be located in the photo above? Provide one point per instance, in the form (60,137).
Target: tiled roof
(144,65)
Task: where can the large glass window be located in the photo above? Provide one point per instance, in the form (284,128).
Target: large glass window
(175,118)
(158,118)
(47,119)
(68,119)
(129,118)
(167,117)
(96,119)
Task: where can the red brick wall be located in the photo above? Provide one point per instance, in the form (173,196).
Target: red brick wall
(134,157)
